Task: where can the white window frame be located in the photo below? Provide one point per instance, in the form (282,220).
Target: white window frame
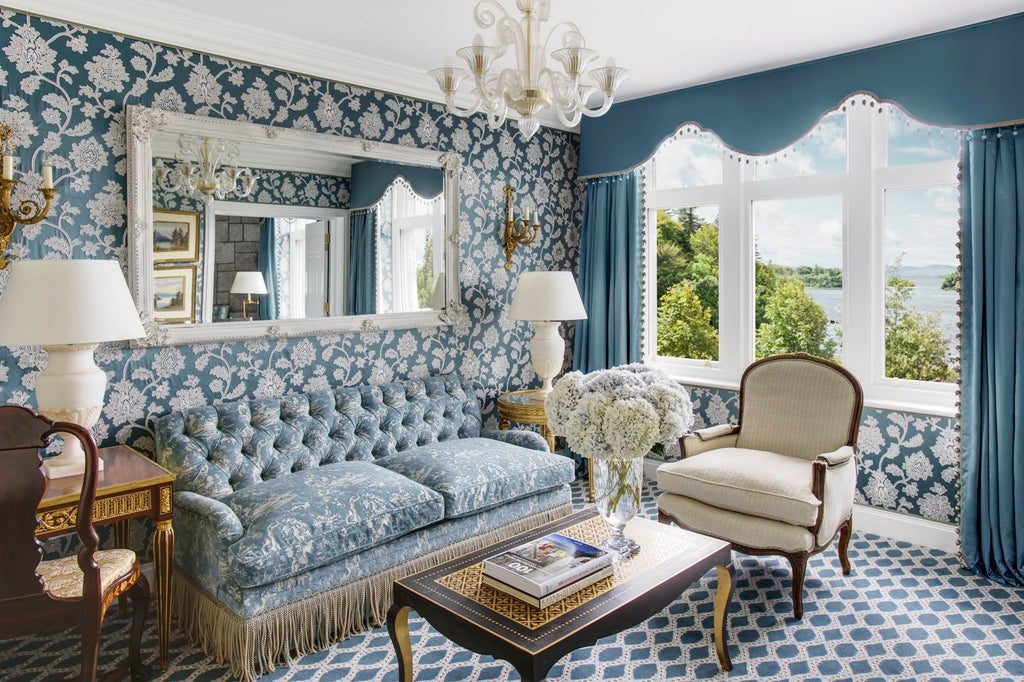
(862,189)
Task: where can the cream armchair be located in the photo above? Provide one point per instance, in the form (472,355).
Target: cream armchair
(782,480)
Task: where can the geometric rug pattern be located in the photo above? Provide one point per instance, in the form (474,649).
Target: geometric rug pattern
(905,613)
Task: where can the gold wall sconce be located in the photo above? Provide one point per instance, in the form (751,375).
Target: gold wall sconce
(518,231)
(28,212)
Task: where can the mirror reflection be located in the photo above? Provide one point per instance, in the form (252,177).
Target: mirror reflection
(315,234)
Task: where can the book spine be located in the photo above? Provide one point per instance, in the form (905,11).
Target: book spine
(557,596)
(543,589)
(574,574)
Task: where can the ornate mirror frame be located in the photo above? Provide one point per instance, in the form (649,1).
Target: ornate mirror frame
(140,124)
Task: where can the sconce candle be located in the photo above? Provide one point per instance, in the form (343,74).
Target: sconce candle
(29,211)
(517,231)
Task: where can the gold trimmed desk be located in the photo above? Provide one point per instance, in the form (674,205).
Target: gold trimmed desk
(452,598)
(527,407)
(131,485)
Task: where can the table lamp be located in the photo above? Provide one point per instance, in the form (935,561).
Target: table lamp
(248,283)
(68,307)
(545,298)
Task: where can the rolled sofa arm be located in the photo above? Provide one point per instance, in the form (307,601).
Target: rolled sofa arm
(711,438)
(521,437)
(212,513)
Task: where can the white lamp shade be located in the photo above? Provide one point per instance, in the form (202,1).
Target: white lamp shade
(64,302)
(249,282)
(547,296)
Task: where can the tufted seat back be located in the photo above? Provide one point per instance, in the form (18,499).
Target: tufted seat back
(218,449)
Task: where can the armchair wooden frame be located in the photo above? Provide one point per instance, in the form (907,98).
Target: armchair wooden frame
(27,605)
(692,444)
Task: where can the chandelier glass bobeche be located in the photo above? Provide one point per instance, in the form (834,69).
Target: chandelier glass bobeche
(532,85)
(206,165)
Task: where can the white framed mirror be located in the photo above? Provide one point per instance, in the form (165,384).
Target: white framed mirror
(338,234)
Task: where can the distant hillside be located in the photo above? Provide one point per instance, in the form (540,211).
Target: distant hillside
(925,271)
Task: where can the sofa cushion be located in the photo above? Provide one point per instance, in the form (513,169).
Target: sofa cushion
(316,516)
(755,482)
(473,474)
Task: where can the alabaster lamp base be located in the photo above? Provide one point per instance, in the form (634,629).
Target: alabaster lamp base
(70,389)
(547,352)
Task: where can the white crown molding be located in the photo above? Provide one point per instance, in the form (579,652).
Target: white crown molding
(163,23)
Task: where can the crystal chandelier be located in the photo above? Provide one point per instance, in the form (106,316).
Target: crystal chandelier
(532,86)
(206,165)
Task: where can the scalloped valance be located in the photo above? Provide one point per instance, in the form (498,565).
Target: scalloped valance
(370,179)
(966,77)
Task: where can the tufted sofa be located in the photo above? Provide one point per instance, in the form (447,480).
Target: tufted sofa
(294,515)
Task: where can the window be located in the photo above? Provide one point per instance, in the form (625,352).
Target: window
(412,230)
(842,245)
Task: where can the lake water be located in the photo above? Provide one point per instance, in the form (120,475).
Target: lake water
(927,297)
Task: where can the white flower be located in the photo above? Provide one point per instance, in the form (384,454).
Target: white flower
(202,86)
(618,412)
(29,52)
(107,72)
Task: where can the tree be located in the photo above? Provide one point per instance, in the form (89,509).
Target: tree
(794,323)
(425,274)
(684,325)
(702,271)
(951,281)
(915,347)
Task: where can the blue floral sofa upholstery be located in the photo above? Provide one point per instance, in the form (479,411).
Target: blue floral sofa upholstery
(294,515)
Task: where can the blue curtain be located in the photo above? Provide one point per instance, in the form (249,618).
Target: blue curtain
(611,273)
(268,266)
(992,391)
(362,263)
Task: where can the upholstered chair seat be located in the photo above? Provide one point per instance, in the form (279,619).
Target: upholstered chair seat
(782,480)
(63,578)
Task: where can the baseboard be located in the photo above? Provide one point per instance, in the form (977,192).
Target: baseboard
(906,528)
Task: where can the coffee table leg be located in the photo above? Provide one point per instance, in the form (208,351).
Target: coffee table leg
(723,596)
(398,628)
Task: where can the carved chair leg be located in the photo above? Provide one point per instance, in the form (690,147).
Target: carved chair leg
(844,542)
(91,646)
(140,605)
(799,563)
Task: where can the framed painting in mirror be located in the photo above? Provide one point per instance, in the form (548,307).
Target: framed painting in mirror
(175,236)
(174,294)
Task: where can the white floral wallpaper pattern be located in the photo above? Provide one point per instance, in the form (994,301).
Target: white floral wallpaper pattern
(63,89)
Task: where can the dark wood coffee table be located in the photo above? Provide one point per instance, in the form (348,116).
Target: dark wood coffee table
(451,598)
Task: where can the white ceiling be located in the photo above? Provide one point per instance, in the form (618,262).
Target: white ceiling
(390,44)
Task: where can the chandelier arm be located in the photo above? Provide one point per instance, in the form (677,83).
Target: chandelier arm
(561,93)
(449,101)
(570,29)
(599,111)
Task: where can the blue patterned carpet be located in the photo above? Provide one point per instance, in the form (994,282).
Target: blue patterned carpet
(905,613)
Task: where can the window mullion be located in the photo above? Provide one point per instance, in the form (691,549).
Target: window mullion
(862,310)
(736,268)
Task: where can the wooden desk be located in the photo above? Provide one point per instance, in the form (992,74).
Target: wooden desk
(129,486)
(527,407)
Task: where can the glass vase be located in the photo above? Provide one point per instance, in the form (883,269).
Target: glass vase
(617,482)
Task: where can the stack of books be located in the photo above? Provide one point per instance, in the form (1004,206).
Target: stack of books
(546,570)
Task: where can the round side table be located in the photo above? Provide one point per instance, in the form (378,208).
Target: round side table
(527,407)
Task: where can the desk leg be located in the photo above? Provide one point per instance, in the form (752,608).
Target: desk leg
(121,529)
(723,596)
(163,555)
(398,628)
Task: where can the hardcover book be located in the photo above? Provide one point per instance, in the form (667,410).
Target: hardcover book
(546,564)
(557,595)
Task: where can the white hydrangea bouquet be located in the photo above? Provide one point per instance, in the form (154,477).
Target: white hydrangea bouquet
(614,417)
(622,412)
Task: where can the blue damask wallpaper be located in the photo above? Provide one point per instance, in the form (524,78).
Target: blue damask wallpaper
(64,89)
